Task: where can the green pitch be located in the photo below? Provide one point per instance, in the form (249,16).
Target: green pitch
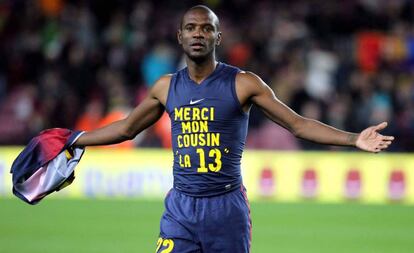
(109,226)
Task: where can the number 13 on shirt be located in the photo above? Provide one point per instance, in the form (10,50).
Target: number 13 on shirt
(213,153)
(185,161)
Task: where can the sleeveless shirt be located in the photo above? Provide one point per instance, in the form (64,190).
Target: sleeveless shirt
(209,130)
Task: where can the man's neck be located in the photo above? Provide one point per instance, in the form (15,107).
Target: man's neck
(198,71)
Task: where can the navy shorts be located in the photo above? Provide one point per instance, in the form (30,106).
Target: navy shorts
(205,224)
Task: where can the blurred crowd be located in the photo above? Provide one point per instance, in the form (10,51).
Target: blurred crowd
(82,64)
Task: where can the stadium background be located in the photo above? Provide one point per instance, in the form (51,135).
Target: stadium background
(82,64)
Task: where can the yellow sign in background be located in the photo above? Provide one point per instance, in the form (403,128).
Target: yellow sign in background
(331,176)
(278,176)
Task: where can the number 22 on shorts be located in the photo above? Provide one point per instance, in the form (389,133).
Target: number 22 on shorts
(168,243)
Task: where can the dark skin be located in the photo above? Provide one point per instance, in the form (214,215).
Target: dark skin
(199,35)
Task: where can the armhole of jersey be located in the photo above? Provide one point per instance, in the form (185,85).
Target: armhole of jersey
(233,91)
(167,107)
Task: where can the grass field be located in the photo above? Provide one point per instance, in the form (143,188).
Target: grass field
(108,226)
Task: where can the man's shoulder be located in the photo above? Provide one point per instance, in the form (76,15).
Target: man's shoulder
(164,80)
(249,84)
(161,86)
(247,77)
(166,77)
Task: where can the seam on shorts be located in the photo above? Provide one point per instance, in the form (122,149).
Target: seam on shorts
(250,218)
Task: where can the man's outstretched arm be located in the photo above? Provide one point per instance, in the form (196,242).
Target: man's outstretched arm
(143,116)
(256,91)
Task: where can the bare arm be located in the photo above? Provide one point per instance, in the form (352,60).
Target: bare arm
(251,89)
(143,116)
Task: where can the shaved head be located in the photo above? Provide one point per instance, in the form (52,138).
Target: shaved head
(199,34)
(205,9)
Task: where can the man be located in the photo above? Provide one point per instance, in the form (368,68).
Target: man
(208,103)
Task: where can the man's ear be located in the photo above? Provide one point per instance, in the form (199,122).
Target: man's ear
(218,39)
(179,36)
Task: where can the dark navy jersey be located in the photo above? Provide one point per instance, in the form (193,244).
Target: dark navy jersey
(209,131)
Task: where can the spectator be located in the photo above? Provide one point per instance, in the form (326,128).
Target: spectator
(354,57)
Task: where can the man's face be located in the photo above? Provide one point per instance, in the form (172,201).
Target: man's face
(199,34)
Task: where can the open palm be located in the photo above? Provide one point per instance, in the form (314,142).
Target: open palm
(371,140)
